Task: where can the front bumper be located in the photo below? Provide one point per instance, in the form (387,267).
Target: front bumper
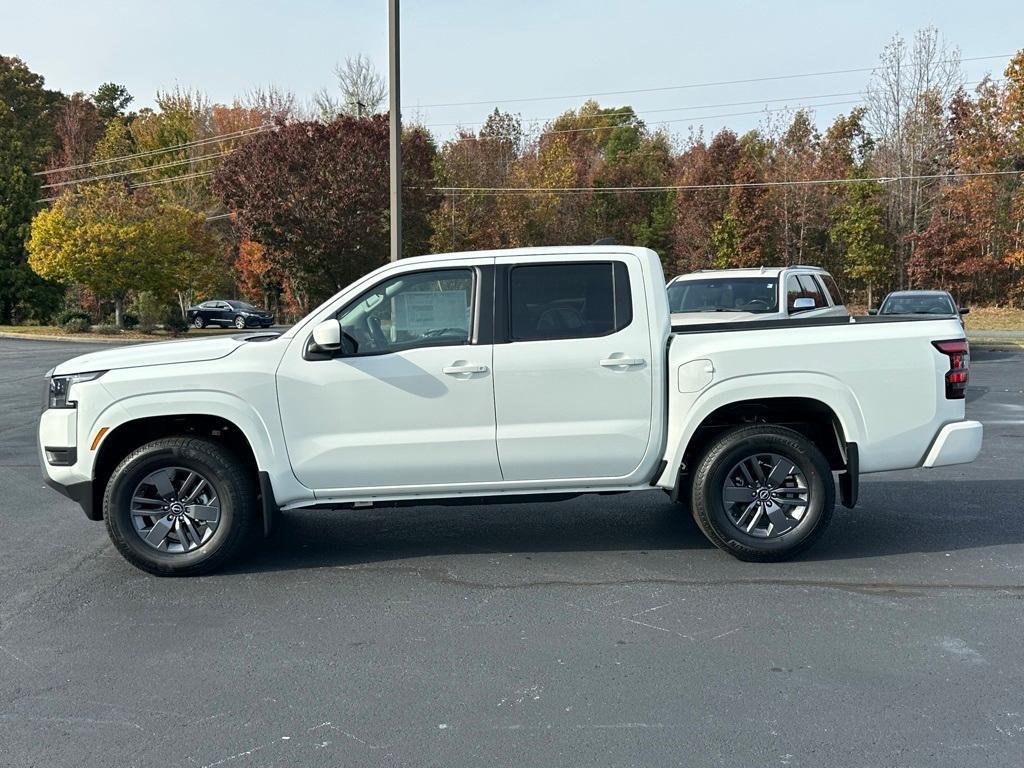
(957,443)
(58,437)
(80,491)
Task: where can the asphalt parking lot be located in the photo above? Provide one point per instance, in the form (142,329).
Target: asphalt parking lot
(601,631)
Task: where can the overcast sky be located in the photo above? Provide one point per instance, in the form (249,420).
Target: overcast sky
(475,50)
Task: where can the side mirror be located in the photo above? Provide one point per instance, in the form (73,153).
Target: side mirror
(873,311)
(964,310)
(327,336)
(803,303)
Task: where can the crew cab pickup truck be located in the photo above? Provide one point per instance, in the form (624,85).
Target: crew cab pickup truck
(534,374)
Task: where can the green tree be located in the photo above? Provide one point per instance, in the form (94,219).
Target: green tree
(110,100)
(859,231)
(113,242)
(27,112)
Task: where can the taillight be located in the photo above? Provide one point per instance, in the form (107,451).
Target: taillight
(959,353)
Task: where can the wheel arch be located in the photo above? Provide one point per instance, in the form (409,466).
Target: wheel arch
(818,406)
(131,432)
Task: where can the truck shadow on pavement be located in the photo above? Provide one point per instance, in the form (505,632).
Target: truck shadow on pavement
(894,518)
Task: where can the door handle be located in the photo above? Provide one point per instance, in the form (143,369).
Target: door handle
(622,362)
(455,370)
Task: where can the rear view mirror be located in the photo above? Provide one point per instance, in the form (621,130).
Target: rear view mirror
(964,310)
(873,311)
(803,303)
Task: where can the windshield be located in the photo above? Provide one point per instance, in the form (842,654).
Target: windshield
(728,294)
(936,304)
(241,305)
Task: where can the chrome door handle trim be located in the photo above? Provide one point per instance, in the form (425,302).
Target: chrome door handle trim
(622,362)
(455,370)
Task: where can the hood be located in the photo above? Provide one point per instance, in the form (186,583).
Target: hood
(703,318)
(156,353)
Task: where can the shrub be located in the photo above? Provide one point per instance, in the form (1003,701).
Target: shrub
(63,318)
(106,329)
(149,310)
(76,325)
(176,325)
(129,320)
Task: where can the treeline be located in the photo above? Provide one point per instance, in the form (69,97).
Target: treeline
(920,185)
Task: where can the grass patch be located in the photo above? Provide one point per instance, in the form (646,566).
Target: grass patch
(54,330)
(995,319)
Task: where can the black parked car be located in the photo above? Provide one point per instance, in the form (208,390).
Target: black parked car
(226,313)
(920,303)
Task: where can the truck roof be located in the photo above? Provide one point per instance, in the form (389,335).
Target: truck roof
(546,250)
(710,274)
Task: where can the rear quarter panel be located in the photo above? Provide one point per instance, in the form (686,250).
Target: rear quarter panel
(884,382)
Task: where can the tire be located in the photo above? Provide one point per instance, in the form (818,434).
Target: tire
(199,322)
(747,452)
(240,323)
(228,485)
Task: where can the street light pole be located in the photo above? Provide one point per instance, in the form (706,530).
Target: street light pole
(394,72)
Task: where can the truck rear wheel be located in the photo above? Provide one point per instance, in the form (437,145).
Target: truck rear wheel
(763,493)
(179,506)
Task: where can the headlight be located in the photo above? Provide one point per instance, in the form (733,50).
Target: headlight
(60,388)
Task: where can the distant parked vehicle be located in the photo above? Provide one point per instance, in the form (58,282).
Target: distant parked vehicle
(920,303)
(776,293)
(227,313)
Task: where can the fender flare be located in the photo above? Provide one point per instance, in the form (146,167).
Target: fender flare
(808,385)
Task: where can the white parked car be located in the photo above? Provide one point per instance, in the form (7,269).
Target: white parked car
(546,372)
(711,296)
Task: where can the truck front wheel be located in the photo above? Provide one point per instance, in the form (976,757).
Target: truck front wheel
(179,506)
(763,493)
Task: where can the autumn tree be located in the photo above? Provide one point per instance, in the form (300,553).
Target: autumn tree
(316,197)
(471,220)
(112,242)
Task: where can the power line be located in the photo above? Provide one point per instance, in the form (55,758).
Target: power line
(627,112)
(141,184)
(735,185)
(686,86)
(145,169)
(162,150)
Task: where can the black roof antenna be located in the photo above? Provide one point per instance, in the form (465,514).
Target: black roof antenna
(605,241)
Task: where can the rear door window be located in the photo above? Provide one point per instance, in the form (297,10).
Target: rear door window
(568,301)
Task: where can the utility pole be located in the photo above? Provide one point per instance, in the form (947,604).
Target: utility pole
(394,72)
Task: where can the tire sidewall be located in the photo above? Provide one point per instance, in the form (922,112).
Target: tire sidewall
(131,472)
(814,472)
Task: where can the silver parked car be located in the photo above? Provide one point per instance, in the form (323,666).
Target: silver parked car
(920,303)
(776,293)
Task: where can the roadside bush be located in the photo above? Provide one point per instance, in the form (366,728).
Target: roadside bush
(107,330)
(129,320)
(149,310)
(176,325)
(76,325)
(63,318)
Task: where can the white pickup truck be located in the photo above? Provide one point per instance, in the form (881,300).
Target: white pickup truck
(536,374)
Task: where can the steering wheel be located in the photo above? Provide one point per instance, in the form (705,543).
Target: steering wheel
(758,302)
(375,332)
